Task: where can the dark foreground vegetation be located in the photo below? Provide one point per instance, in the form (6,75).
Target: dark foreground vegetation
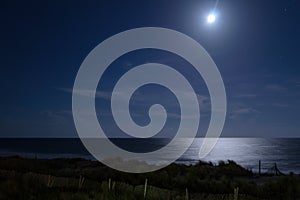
(24,178)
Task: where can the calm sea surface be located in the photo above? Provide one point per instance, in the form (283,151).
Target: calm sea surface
(245,151)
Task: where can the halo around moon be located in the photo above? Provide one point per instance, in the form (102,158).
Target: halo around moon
(211,18)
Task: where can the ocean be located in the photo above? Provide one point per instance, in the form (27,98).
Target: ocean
(247,152)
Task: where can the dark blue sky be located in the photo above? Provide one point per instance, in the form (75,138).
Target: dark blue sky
(254,43)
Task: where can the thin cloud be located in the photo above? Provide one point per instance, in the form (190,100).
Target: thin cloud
(276,87)
(243,111)
(202,99)
(280,105)
(88,93)
(57,117)
(246,96)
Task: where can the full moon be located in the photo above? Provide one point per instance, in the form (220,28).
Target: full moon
(211,18)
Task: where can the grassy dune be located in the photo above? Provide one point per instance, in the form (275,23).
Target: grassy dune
(23,178)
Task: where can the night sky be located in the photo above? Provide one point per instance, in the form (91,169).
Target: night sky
(254,43)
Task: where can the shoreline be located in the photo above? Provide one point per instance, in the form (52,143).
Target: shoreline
(187,162)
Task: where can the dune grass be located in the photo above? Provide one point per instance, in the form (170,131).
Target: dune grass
(22,178)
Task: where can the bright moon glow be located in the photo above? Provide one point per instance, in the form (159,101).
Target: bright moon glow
(211,18)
